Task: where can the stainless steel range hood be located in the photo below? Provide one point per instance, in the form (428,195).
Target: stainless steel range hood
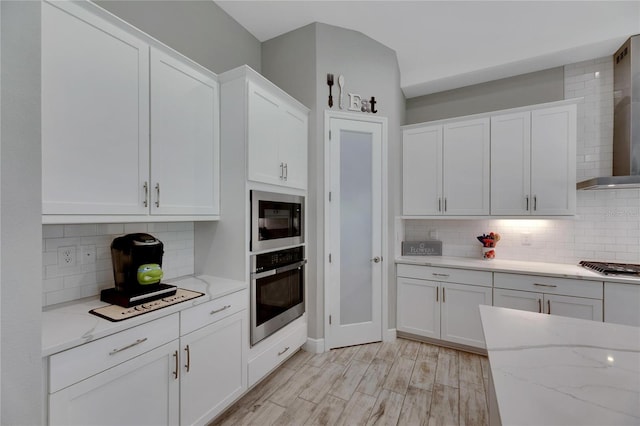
(626,121)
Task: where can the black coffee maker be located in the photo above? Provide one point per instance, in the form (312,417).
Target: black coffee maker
(137,271)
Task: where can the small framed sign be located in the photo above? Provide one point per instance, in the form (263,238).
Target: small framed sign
(422,248)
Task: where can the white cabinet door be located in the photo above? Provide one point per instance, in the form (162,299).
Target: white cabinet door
(466,151)
(95,112)
(422,171)
(141,391)
(622,303)
(553,160)
(418,307)
(293,147)
(184,138)
(574,307)
(511,164)
(214,368)
(263,136)
(460,313)
(521,300)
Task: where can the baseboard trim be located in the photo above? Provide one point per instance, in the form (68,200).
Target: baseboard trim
(315,346)
(389,335)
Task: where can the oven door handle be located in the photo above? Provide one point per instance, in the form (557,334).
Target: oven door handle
(257,276)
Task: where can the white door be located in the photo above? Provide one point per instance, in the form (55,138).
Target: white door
(263,136)
(574,307)
(515,299)
(622,303)
(293,147)
(353,277)
(184,138)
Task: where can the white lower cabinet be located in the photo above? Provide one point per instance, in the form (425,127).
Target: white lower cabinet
(213,369)
(141,389)
(180,369)
(556,296)
(431,306)
(622,303)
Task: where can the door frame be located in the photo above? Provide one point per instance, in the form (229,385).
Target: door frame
(384,297)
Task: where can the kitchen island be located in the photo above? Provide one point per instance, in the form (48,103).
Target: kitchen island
(553,370)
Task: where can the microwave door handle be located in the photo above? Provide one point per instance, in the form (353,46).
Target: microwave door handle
(260,275)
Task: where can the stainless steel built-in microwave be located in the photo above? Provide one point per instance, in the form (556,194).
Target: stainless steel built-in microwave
(276,220)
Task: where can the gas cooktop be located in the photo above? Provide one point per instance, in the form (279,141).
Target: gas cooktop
(609,268)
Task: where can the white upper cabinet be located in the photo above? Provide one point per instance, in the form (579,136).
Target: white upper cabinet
(553,160)
(95,129)
(184,138)
(511,164)
(518,162)
(446,169)
(421,170)
(127,128)
(533,162)
(277,139)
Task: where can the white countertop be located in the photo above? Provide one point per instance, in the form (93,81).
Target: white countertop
(553,370)
(515,266)
(67,325)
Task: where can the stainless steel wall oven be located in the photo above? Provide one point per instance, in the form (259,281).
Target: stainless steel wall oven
(276,220)
(277,290)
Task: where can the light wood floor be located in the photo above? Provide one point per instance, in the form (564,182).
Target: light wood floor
(399,383)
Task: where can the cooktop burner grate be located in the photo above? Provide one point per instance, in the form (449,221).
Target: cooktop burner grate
(609,268)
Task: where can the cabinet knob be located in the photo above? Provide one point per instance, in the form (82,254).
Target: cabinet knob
(158,194)
(376,259)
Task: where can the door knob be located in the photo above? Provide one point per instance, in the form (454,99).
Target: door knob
(376,259)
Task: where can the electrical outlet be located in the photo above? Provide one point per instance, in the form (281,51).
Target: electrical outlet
(525,238)
(66,256)
(433,234)
(87,254)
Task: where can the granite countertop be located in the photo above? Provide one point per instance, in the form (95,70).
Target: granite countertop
(553,370)
(70,324)
(560,270)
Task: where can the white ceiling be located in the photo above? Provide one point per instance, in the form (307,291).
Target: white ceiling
(443,45)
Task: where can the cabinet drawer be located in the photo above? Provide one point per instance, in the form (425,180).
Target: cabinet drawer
(278,351)
(212,311)
(550,285)
(446,275)
(73,365)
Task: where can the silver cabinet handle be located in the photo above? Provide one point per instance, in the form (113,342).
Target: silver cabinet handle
(549,307)
(445,204)
(443,296)
(158,194)
(539,306)
(146,193)
(286,171)
(376,259)
(175,373)
(224,308)
(535,203)
(545,285)
(281,170)
(188,364)
(527,198)
(285,349)
(440,275)
(437,292)
(439,204)
(124,348)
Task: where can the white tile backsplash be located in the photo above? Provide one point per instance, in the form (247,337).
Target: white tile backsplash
(607,223)
(67,283)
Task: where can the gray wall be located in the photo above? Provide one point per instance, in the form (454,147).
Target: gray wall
(20,213)
(370,69)
(526,89)
(200,30)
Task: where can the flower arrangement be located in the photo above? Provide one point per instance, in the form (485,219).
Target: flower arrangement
(489,242)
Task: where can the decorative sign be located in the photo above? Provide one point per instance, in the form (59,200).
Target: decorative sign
(422,248)
(356,102)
